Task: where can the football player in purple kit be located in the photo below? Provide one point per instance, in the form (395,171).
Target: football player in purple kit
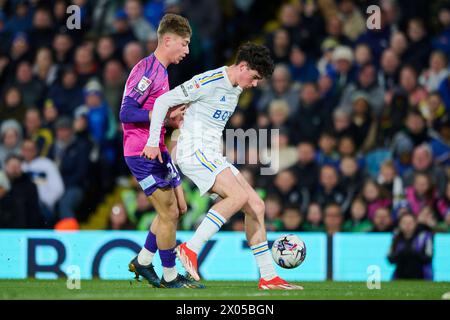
(158,178)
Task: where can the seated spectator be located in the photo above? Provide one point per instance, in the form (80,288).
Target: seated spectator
(342,70)
(428,220)
(434,112)
(342,124)
(310,119)
(278,113)
(123,33)
(85,65)
(132,54)
(285,186)
(280,87)
(45,175)
(411,251)
(292,218)
(353,20)
(306,169)
(358,221)
(421,194)
(422,162)
(11,106)
(44,68)
(62,46)
(443,204)
(71,155)
(382,220)
(279,44)
(375,197)
(363,56)
(419,46)
(333,218)
(33,90)
(409,84)
(326,154)
(366,84)
(329,190)
(389,70)
(352,177)
(23,195)
(392,182)
(442,40)
(43,137)
(431,78)
(10,139)
(287,154)
(273,213)
(114,81)
(365,124)
(314,218)
(6,204)
(135,14)
(302,68)
(66,94)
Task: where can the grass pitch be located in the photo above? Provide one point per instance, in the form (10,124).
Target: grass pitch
(218,290)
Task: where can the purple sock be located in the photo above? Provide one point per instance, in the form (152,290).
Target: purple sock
(150,242)
(167,258)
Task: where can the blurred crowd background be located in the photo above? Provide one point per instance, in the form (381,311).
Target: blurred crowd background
(363,114)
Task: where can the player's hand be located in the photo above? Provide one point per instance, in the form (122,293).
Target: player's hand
(175,117)
(178,111)
(152,153)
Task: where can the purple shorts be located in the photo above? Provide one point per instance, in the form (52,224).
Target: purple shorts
(152,174)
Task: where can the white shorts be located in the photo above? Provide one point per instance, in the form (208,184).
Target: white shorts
(202,169)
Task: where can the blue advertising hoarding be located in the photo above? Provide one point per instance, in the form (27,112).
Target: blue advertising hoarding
(105,254)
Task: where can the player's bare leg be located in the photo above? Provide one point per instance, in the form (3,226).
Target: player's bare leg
(233,199)
(255,231)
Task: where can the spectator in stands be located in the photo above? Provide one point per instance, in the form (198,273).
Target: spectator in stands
(280,46)
(113,80)
(44,68)
(285,187)
(118,219)
(45,175)
(310,118)
(85,65)
(443,204)
(353,21)
(366,84)
(314,218)
(342,124)
(6,204)
(132,54)
(422,162)
(67,93)
(358,221)
(431,78)
(352,177)
(140,26)
(391,181)
(411,251)
(105,50)
(419,47)
(43,137)
(292,218)
(278,113)
(24,196)
(363,56)
(10,139)
(273,207)
(382,220)
(375,197)
(18,52)
(442,40)
(421,194)
(302,67)
(122,34)
(306,169)
(280,88)
(329,190)
(389,69)
(342,70)
(434,112)
(326,153)
(33,90)
(409,85)
(333,218)
(364,123)
(12,106)
(72,158)
(63,48)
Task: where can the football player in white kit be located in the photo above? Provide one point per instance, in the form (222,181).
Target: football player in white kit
(212,98)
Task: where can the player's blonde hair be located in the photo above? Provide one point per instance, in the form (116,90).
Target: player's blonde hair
(174,23)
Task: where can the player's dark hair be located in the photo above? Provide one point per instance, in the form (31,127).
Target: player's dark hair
(257,57)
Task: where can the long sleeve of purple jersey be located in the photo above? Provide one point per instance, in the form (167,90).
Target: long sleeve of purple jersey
(131,112)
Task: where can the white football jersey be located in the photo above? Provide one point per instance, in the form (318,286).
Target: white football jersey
(212,100)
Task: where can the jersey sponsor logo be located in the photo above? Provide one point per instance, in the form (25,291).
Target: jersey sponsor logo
(222,115)
(143,85)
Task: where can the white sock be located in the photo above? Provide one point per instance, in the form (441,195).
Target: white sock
(145,257)
(264,261)
(210,225)
(170,273)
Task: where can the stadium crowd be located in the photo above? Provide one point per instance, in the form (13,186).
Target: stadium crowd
(363,113)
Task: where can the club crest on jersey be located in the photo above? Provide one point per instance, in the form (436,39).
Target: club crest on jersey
(223,99)
(143,85)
